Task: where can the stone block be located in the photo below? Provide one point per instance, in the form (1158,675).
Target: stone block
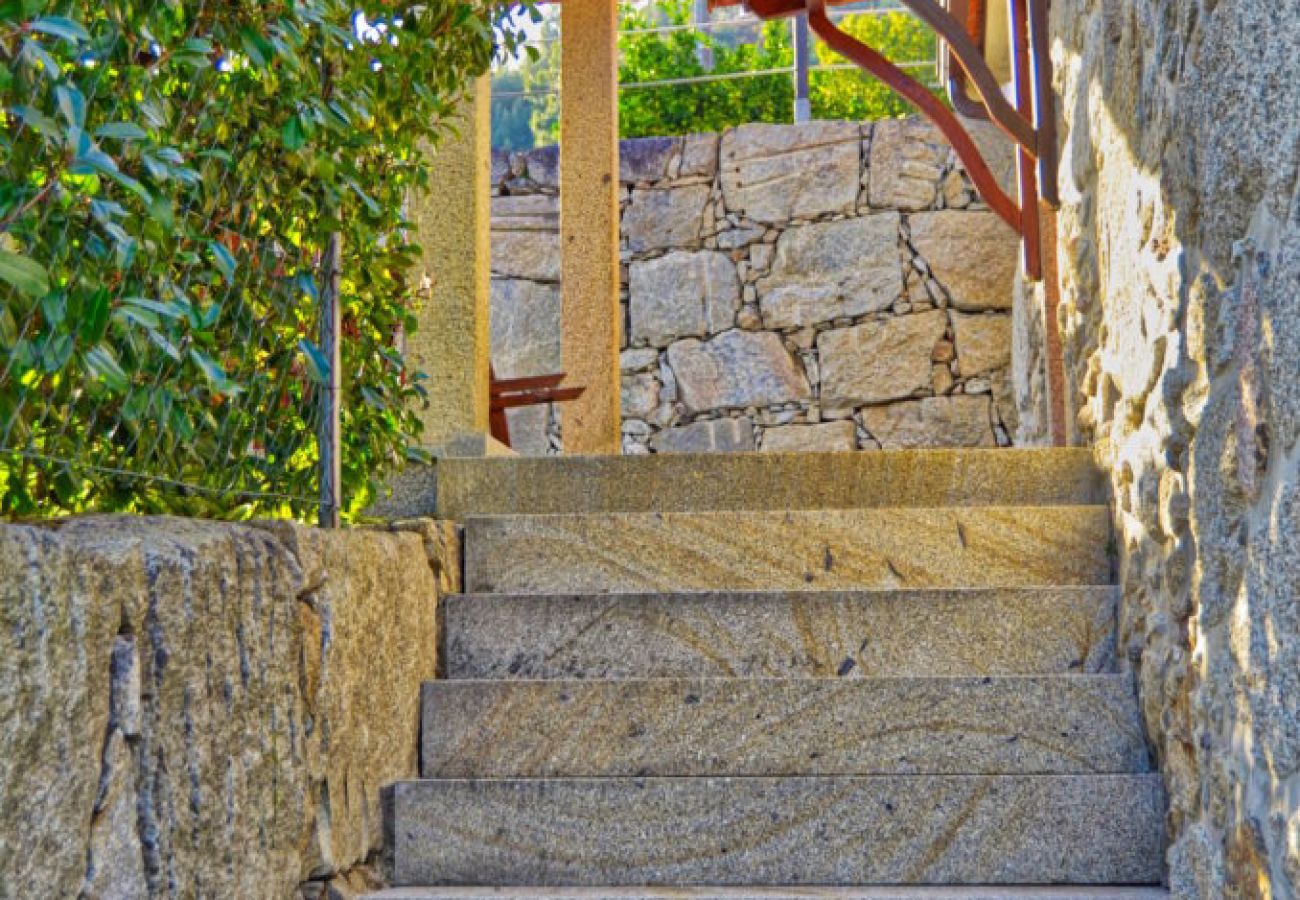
(638,359)
(811,549)
(530,430)
(953,421)
(576,484)
(639,395)
(682,294)
(880,360)
(899,829)
(974,255)
(699,156)
(709,436)
(526,212)
(829,270)
(543,166)
(808,634)
(776,173)
(533,255)
(826,436)
(525,328)
(667,727)
(646,159)
(660,218)
(983,342)
(906,163)
(736,369)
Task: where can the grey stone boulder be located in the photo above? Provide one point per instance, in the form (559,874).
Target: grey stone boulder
(736,369)
(683,294)
(776,173)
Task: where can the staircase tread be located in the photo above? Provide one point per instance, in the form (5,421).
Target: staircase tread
(994,892)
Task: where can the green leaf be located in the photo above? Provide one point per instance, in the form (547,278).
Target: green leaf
(132,315)
(94,319)
(71,104)
(316,361)
(122,131)
(102,364)
(25,274)
(213,372)
(60,27)
(223,260)
(39,122)
(293,135)
(164,310)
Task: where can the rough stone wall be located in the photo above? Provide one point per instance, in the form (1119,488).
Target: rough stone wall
(197,709)
(832,285)
(1180,239)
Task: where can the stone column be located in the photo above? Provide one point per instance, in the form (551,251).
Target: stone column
(452,220)
(589,222)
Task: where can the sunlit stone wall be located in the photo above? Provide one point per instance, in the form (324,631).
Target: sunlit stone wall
(831,285)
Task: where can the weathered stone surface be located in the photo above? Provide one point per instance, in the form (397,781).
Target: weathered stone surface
(830,270)
(530,254)
(736,369)
(983,342)
(223,655)
(1000,892)
(659,218)
(775,173)
(906,162)
(526,212)
(529,427)
(876,361)
(525,328)
(638,359)
(974,256)
(824,549)
(682,294)
(543,166)
(646,159)
(639,394)
(847,830)
(810,634)
(709,436)
(699,155)
(760,481)
(826,436)
(1063,725)
(957,421)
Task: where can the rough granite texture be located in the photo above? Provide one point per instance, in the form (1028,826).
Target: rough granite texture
(1180,267)
(823,549)
(1053,724)
(785,893)
(569,484)
(866,634)
(203,709)
(927,829)
(789,235)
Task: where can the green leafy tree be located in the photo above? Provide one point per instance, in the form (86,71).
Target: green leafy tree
(512,116)
(170,176)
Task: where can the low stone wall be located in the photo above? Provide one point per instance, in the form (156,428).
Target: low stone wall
(200,709)
(830,285)
(1180,265)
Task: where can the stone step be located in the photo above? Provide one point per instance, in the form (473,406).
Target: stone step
(803,549)
(774,893)
(853,634)
(918,829)
(752,481)
(1053,724)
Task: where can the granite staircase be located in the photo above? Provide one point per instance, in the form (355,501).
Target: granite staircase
(872,675)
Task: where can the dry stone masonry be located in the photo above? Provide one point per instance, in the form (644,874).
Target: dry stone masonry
(824,286)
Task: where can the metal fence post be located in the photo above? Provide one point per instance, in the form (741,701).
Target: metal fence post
(799,36)
(328,437)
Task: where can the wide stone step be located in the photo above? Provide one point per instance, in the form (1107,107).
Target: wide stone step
(1055,724)
(919,829)
(773,893)
(851,634)
(820,549)
(752,481)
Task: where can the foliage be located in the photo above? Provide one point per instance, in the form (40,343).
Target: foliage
(512,127)
(726,102)
(170,174)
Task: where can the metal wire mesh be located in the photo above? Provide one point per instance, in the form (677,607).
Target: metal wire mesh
(169,364)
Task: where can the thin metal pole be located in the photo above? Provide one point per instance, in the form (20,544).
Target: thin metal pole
(799,37)
(328,436)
